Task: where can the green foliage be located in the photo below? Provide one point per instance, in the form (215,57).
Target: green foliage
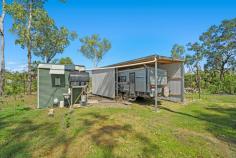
(94,48)
(229,84)
(66,61)
(45,38)
(28,16)
(67,119)
(20,12)
(189,80)
(50,40)
(219,46)
(194,62)
(214,89)
(177,51)
(16,83)
(212,83)
(216,50)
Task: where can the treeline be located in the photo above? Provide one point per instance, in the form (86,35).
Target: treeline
(16,83)
(211,83)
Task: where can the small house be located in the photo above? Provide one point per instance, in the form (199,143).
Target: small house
(53,83)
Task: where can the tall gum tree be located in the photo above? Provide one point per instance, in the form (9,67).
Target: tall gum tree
(24,12)
(51,40)
(26,15)
(177,51)
(94,48)
(219,46)
(195,61)
(2,53)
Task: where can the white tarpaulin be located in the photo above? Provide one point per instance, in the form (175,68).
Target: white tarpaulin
(103,82)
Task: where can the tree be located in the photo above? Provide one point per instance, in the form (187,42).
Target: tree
(66,61)
(219,45)
(25,14)
(189,62)
(177,51)
(50,40)
(2,53)
(195,61)
(94,48)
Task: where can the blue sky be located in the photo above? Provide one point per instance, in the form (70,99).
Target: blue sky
(136,28)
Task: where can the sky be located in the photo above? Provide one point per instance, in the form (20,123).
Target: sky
(135,28)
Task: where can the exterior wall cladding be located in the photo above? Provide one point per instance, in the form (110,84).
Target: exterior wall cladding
(47,90)
(175,77)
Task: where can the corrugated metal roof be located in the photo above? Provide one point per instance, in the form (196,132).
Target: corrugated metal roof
(160,59)
(59,66)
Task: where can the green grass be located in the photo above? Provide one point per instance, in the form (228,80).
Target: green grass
(200,128)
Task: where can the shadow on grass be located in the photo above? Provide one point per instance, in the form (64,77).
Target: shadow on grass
(92,118)
(107,137)
(24,109)
(224,124)
(22,134)
(149,148)
(88,120)
(8,118)
(18,141)
(146,101)
(221,124)
(16,149)
(18,134)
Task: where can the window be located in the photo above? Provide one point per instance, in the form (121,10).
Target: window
(122,79)
(57,81)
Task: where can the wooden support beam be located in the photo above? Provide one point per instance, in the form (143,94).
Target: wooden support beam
(156,106)
(182,83)
(116,81)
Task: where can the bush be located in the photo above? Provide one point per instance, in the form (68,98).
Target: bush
(212,83)
(16,83)
(229,84)
(213,89)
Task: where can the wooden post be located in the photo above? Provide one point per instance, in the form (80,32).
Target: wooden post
(156,85)
(182,82)
(116,82)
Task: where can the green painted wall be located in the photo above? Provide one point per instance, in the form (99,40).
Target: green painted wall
(47,88)
(76,94)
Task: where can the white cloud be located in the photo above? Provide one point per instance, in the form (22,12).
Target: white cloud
(15,66)
(11,63)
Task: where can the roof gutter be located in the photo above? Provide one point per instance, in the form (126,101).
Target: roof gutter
(122,66)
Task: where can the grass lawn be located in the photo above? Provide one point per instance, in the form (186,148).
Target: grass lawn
(201,128)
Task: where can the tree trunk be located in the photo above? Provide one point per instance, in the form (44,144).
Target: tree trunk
(198,83)
(29,88)
(222,68)
(222,72)
(24,82)
(2,57)
(45,59)
(95,62)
